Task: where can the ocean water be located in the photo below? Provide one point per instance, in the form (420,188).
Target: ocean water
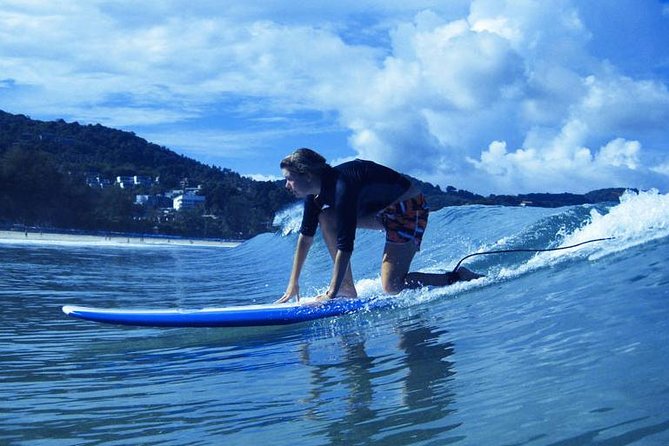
(562,348)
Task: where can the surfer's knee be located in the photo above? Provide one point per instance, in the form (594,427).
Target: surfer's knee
(392,287)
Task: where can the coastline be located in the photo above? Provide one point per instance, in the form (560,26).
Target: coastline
(112,239)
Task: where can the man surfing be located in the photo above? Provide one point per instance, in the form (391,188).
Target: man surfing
(359,194)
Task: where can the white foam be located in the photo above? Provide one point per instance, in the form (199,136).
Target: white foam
(638,218)
(368,288)
(289,219)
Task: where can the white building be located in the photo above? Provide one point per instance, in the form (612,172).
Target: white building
(125,182)
(141,199)
(128,182)
(95,180)
(141,180)
(188,200)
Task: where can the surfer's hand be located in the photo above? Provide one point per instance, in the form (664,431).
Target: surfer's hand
(285,298)
(292,291)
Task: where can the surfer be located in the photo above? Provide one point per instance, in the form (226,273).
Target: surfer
(359,194)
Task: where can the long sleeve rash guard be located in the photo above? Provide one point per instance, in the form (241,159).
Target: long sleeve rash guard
(354,189)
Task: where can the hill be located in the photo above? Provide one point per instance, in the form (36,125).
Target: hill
(55,174)
(44,167)
(457,197)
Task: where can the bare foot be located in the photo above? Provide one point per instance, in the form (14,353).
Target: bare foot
(347,293)
(465,275)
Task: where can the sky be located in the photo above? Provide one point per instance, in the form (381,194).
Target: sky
(491,96)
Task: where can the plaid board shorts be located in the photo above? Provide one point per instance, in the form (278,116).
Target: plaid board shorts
(405,221)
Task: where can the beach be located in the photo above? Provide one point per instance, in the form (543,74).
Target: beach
(109,239)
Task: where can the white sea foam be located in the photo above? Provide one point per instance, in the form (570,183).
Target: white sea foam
(369,287)
(289,219)
(638,218)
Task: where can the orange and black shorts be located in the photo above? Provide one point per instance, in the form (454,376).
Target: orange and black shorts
(405,221)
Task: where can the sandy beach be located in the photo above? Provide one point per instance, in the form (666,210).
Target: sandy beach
(16,237)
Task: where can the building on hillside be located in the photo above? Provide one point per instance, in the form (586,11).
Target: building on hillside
(95,180)
(142,200)
(187,190)
(141,180)
(188,200)
(125,182)
(153,201)
(128,182)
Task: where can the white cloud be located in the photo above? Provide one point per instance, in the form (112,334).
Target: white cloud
(263,177)
(488,95)
(613,106)
(619,104)
(562,164)
(439,73)
(190,60)
(620,153)
(517,72)
(662,169)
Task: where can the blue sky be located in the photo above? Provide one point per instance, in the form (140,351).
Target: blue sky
(493,96)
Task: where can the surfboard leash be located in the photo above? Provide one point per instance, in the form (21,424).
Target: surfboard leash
(504,251)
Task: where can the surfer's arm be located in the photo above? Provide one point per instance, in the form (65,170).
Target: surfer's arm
(304,243)
(345,212)
(342,259)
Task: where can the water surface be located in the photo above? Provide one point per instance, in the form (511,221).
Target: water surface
(562,348)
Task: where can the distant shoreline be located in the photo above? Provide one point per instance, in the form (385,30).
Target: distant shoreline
(110,239)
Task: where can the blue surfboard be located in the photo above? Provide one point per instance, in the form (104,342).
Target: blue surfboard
(237,316)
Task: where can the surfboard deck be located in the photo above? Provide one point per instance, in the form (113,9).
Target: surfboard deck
(236,316)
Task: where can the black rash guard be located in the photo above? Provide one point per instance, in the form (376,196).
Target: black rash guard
(354,189)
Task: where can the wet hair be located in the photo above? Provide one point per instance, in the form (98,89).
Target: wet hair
(305,161)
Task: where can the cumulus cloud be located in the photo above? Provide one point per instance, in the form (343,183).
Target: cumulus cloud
(489,95)
(555,167)
(424,101)
(662,169)
(610,107)
(620,153)
(182,59)
(511,74)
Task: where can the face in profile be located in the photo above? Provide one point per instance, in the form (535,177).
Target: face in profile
(299,184)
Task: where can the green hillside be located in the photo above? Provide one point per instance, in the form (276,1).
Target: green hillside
(61,175)
(44,168)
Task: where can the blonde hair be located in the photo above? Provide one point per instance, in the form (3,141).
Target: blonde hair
(305,161)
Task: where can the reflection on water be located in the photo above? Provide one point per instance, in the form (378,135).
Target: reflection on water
(384,400)
(427,392)
(568,352)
